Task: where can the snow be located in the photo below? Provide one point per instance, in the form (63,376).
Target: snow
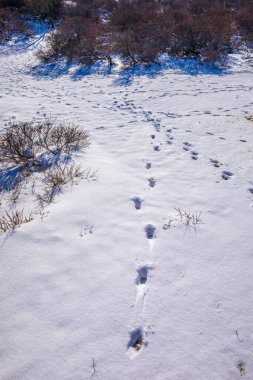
(83,284)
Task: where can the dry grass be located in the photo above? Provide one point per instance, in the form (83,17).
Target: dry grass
(188,218)
(13,219)
(56,177)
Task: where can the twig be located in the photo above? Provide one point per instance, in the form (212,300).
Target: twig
(93,366)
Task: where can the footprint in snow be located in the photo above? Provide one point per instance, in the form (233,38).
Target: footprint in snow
(157,148)
(137,203)
(251,190)
(194,155)
(150,231)
(226,175)
(151,182)
(136,339)
(241,368)
(215,163)
(142,274)
(148,165)
(186,146)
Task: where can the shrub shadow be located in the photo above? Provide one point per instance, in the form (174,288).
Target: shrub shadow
(9,177)
(125,76)
(187,66)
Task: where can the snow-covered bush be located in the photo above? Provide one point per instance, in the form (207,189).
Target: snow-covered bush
(58,176)
(36,161)
(29,144)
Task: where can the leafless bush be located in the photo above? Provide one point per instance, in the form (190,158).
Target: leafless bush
(58,176)
(17,188)
(47,9)
(142,30)
(11,23)
(244,20)
(66,137)
(62,174)
(24,143)
(78,39)
(13,219)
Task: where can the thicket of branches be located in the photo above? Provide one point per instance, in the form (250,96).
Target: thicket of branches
(140,30)
(38,156)
(30,144)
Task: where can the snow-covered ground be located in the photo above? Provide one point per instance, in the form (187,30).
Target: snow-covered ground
(83,286)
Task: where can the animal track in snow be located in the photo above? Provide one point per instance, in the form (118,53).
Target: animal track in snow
(194,155)
(215,163)
(157,148)
(186,146)
(137,203)
(241,368)
(170,139)
(150,231)
(143,274)
(226,175)
(136,341)
(251,190)
(152,182)
(148,165)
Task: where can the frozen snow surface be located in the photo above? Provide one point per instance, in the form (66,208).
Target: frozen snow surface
(113,284)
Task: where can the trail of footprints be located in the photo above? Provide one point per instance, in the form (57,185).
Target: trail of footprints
(138,336)
(129,106)
(225,174)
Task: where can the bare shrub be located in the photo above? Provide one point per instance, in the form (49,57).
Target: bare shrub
(77,39)
(24,143)
(47,9)
(13,219)
(18,186)
(65,137)
(141,30)
(11,23)
(137,28)
(18,144)
(60,175)
(244,20)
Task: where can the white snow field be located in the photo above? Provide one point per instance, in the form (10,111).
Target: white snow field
(112,284)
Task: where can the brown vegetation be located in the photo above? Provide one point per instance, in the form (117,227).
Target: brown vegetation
(139,30)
